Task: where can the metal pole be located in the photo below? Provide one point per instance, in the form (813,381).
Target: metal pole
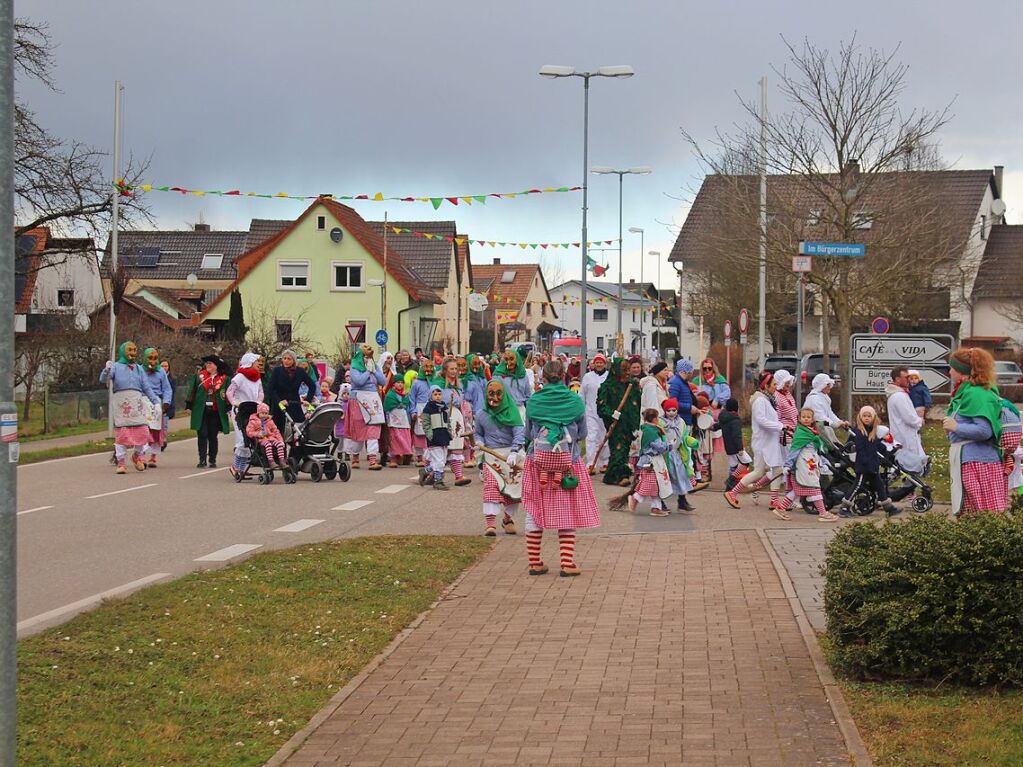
(621,176)
(763,219)
(8,463)
(642,306)
(679,307)
(586,163)
(800,299)
(115,222)
(383,288)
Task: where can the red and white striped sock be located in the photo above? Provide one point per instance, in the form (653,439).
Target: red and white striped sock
(533,538)
(764,481)
(566,542)
(819,505)
(491,520)
(456,467)
(774,495)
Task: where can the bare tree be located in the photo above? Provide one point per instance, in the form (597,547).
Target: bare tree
(847,164)
(263,337)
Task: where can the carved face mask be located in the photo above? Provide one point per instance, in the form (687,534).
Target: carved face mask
(153,359)
(511,359)
(427,369)
(130,351)
(495,394)
(476,364)
(367,351)
(463,366)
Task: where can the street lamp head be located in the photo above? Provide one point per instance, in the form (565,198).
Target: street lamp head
(602,169)
(678,266)
(642,170)
(619,70)
(375,283)
(555,70)
(653,252)
(635,230)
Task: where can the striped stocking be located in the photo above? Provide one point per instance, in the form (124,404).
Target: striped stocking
(566,542)
(533,538)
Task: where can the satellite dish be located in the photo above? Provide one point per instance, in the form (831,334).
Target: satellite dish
(998,208)
(82,322)
(191,279)
(478,302)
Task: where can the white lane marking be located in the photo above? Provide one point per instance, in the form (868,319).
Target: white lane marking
(299,526)
(37,508)
(125,490)
(414,479)
(90,601)
(203,473)
(351,506)
(392,489)
(229,552)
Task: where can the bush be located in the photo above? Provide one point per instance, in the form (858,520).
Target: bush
(931,599)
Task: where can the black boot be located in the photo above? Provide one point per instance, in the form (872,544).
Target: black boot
(891,509)
(684,505)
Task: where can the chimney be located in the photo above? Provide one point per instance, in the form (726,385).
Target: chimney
(632,280)
(497,262)
(202,227)
(999,170)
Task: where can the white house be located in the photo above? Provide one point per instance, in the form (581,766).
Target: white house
(54,278)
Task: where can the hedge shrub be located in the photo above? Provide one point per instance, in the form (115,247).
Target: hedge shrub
(929,599)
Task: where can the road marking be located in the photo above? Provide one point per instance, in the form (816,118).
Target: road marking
(299,526)
(204,473)
(229,552)
(351,506)
(37,508)
(414,479)
(125,490)
(392,489)
(90,601)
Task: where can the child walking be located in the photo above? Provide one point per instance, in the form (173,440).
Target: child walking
(804,469)
(652,471)
(262,429)
(730,426)
(396,408)
(680,453)
(437,426)
(868,461)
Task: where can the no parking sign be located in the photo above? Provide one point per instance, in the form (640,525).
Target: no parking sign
(880,325)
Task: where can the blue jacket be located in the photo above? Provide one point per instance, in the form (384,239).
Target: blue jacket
(868,454)
(476,393)
(518,388)
(161,386)
(920,395)
(129,378)
(679,389)
(494,435)
(979,438)
(367,381)
(419,395)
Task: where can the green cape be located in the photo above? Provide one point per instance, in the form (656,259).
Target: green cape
(120,354)
(554,407)
(804,437)
(145,360)
(977,402)
(718,379)
(507,414)
(392,401)
(313,372)
(503,372)
(358,361)
(650,435)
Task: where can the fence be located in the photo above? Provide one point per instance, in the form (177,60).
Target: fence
(70,408)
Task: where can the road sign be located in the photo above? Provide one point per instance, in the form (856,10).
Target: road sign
(355,332)
(900,349)
(728,328)
(382,337)
(802,264)
(880,325)
(743,339)
(856,250)
(743,321)
(867,380)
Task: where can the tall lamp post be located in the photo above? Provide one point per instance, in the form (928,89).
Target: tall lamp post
(678,270)
(642,311)
(657,306)
(382,285)
(553,71)
(642,170)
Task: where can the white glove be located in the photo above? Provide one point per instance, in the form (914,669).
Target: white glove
(109,364)
(516,458)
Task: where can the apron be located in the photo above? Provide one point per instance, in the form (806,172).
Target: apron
(398,418)
(418,430)
(660,467)
(955,473)
(457,429)
(132,408)
(509,479)
(371,406)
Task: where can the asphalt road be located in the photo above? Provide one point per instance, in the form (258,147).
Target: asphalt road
(85,533)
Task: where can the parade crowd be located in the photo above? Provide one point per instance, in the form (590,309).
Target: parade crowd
(539,427)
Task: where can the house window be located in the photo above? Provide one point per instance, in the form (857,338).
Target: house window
(348,277)
(600,315)
(359,327)
(65,299)
(863,220)
(212,261)
(321,222)
(543,310)
(283,328)
(529,308)
(508,277)
(633,315)
(294,275)
(600,343)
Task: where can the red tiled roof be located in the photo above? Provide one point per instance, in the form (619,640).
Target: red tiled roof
(487,279)
(30,262)
(1000,275)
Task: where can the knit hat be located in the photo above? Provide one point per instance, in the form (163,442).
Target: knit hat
(669,404)
(732,405)
(658,368)
(684,366)
(262,408)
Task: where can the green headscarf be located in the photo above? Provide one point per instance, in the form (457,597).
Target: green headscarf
(554,407)
(650,434)
(393,401)
(503,372)
(977,402)
(507,414)
(358,361)
(145,360)
(120,353)
(313,372)
(805,436)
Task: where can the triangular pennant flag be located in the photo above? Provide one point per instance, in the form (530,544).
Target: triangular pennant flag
(435,201)
(460,240)
(491,243)
(379,197)
(398,230)
(362,197)
(467,200)
(452,200)
(480,198)
(532,245)
(523,245)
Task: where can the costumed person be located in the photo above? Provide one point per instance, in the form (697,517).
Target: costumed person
(556,488)
(282,390)
(133,405)
(460,416)
(500,436)
(326,395)
(609,397)
(344,393)
(1012,431)
(680,389)
(206,399)
(245,386)
(367,416)
(595,430)
(512,373)
(715,387)
(768,452)
(310,367)
(703,430)
(974,428)
(387,369)
(264,431)
(399,426)
(438,436)
(785,402)
(309,396)
(574,371)
(419,395)
(476,384)
(819,400)
(904,422)
(730,426)
(869,444)
(680,455)
(162,389)
(803,466)
(170,412)
(653,481)
(654,388)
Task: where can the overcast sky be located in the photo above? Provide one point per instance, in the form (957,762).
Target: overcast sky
(443,98)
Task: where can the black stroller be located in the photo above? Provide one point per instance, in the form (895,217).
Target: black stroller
(312,447)
(254,458)
(901,483)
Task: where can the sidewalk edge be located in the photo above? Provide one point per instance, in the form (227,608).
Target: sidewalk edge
(843,718)
(295,741)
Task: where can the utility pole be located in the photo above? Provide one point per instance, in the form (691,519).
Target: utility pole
(115,224)
(762,315)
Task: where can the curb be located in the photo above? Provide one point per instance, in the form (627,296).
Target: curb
(295,741)
(853,742)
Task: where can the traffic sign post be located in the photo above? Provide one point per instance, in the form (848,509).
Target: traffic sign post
(382,338)
(354,331)
(743,327)
(873,356)
(880,325)
(802,264)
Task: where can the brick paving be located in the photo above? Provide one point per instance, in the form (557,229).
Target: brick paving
(669,650)
(801,550)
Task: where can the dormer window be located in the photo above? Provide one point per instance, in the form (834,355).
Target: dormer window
(212,261)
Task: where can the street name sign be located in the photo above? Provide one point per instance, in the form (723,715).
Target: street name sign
(856,250)
(872,358)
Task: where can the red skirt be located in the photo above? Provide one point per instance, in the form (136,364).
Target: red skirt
(400,441)
(647,484)
(132,436)
(356,428)
(553,507)
(985,488)
(802,491)
(491,492)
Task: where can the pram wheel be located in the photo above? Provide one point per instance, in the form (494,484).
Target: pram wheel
(864,503)
(290,477)
(922,503)
(330,470)
(315,472)
(344,472)
(265,478)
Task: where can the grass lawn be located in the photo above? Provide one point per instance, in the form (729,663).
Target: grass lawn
(32,429)
(87,448)
(223,666)
(906,726)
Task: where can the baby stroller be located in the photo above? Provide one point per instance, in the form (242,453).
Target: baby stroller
(901,483)
(254,457)
(313,448)
(837,485)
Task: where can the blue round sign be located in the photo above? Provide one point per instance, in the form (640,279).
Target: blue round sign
(382,338)
(880,325)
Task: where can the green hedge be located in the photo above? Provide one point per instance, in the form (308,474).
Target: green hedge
(929,599)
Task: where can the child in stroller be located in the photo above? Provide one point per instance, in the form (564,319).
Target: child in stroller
(314,447)
(262,445)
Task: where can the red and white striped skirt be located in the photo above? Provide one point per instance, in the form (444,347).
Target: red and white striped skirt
(553,507)
(985,488)
(491,492)
(646,485)
(400,441)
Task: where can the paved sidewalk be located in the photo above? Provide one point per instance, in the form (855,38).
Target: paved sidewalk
(36,445)
(670,649)
(801,550)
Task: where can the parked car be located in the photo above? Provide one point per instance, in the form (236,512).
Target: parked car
(781,361)
(812,364)
(1008,373)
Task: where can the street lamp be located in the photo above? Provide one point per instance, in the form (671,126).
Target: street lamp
(639,231)
(657,290)
(553,71)
(379,284)
(678,305)
(643,170)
